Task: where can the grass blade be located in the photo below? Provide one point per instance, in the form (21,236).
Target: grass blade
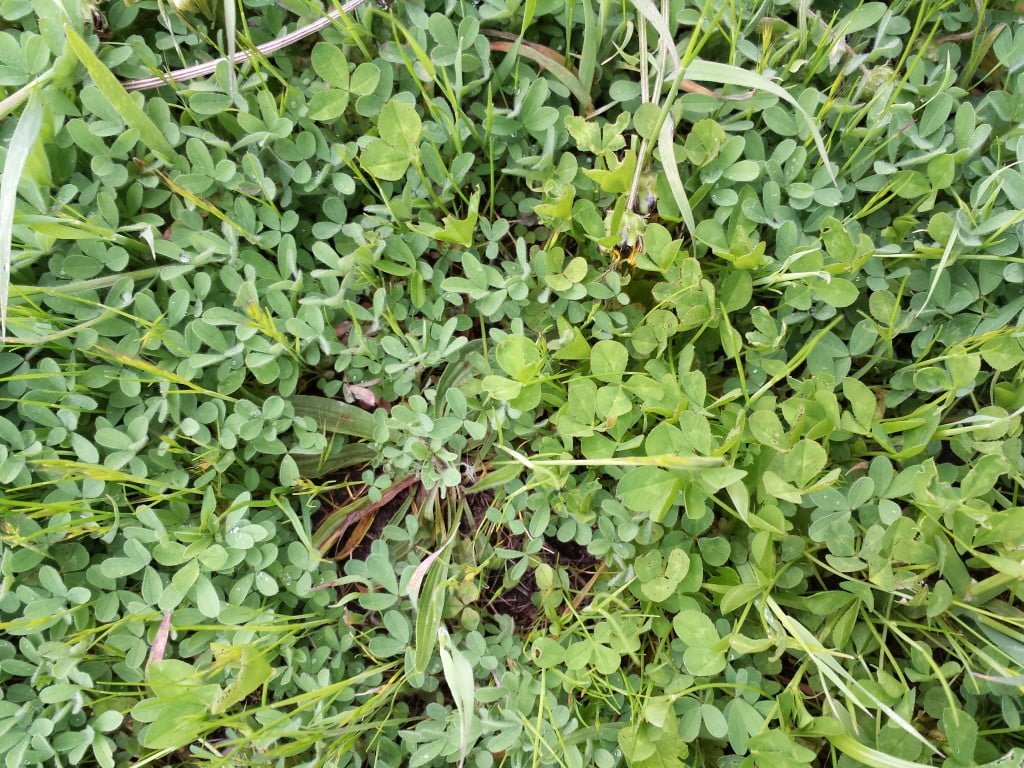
(427,592)
(25,134)
(726,74)
(495,478)
(865,755)
(314,465)
(936,275)
(664,460)
(458,673)
(831,671)
(339,520)
(552,65)
(16,99)
(667,156)
(591,43)
(229,33)
(646,9)
(119,99)
(454,374)
(335,415)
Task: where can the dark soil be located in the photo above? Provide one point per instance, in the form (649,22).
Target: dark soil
(516,600)
(574,558)
(380,520)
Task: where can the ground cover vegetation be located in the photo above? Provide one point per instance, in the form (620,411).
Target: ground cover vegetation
(512,383)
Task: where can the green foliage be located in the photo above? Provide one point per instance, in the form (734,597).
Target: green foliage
(513,383)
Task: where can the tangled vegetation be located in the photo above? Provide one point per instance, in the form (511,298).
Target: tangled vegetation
(512,383)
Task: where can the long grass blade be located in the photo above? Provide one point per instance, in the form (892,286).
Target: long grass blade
(591,42)
(647,9)
(119,99)
(667,156)
(314,465)
(726,74)
(833,672)
(427,592)
(936,275)
(458,673)
(24,138)
(664,460)
(335,415)
(10,103)
(865,755)
(230,19)
(550,64)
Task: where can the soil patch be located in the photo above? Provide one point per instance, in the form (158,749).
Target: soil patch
(516,599)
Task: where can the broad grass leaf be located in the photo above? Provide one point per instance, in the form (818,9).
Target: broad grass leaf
(458,674)
(592,34)
(427,592)
(335,415)
(24,138)
(313,465)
